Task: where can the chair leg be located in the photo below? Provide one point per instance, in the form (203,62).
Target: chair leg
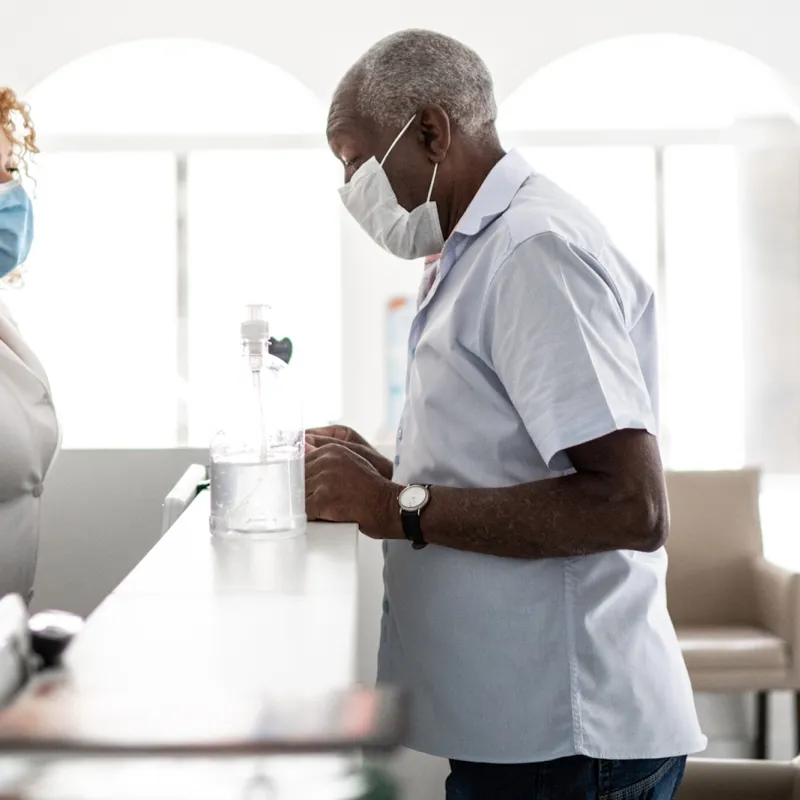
(762,719)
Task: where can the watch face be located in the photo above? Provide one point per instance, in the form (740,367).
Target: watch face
(412,498)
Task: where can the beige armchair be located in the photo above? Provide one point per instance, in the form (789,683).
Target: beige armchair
(737,615)
(708,779)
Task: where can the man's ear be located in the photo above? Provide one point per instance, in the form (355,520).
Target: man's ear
(434,131)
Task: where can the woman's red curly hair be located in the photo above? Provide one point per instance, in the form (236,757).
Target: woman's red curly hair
(16,123)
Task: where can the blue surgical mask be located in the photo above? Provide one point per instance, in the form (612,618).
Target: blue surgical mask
(16,226)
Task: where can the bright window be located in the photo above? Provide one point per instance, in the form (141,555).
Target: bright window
(171,87)
(98,306)
(279,246)
(192,179)
(650,82)
(703,394)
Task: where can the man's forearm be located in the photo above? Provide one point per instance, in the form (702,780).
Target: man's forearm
(573,515)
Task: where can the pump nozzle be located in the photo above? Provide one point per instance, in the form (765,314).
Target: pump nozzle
(255,334)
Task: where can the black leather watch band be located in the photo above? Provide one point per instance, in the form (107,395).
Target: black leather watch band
(412,528)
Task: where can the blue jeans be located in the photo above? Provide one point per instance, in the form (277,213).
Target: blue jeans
(573,778)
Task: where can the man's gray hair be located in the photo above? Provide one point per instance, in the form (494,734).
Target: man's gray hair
(410,68)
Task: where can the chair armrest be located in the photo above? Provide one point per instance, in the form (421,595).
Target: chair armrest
(715,779)
(778,600)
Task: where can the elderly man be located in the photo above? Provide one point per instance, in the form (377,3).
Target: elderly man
(525,514)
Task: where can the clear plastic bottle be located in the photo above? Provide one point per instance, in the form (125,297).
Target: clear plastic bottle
(257,456)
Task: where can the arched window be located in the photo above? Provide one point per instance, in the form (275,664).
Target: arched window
(647,83)
(650,132)
(179,180)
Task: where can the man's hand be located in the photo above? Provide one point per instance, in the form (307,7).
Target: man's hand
(343,486)
(347,437)
(341,433)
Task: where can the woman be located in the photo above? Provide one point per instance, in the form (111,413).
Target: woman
(28,427)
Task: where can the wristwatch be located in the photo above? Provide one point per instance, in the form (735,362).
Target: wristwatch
(412,500)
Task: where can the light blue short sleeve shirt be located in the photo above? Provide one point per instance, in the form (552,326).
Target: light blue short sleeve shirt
(537,335)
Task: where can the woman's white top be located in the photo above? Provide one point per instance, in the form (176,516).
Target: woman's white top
(29,439)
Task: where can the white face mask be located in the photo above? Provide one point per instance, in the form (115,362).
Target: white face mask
(370,199)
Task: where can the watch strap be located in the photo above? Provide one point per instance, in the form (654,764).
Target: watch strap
(412,527)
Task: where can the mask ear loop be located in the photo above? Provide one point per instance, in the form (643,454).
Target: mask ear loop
(430,188)
(397,139)
(391,147)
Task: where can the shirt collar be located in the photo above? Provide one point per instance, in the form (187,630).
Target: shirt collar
(495,194)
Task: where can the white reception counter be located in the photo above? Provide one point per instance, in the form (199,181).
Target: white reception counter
(204,638)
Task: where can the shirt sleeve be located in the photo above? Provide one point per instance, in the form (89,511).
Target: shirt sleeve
(554,332)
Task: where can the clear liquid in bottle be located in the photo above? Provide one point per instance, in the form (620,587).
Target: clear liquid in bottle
(258,496)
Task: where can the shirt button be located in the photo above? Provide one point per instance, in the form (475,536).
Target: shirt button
(37,490)
(399,434)
(397,461)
